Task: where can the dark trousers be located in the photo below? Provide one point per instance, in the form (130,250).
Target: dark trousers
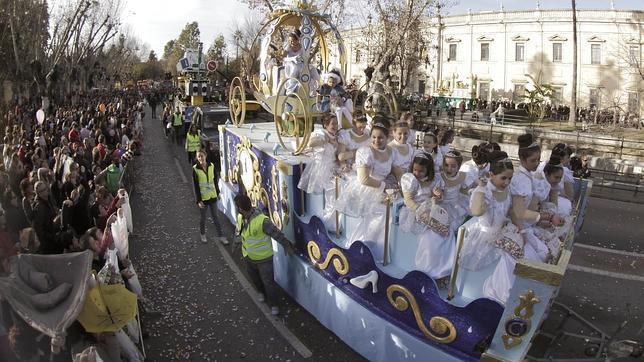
(192,156)
(178,133)
(261,275)
(212,206)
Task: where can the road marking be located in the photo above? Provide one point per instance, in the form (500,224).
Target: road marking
(278,325)
(584,269)
(612,251)
(183,175)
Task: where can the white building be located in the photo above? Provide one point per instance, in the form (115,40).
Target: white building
(490,55)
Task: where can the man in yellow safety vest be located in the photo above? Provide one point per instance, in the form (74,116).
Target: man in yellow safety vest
(256,231)
(193,142)
(177,124)
(204,177)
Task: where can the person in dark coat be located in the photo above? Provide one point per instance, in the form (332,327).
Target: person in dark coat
(43,221)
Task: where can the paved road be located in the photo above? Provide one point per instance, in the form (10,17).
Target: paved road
(205,314)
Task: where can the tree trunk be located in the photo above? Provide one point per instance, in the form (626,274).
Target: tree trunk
(573,99)
(14,39)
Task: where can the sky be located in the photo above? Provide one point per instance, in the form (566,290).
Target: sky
(155,22)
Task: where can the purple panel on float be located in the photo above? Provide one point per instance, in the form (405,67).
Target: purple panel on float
(481,317)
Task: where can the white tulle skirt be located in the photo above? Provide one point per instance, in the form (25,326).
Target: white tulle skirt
(435,255)
(358,200)
(457,208)
(317,176)
(371,231)
(498,285)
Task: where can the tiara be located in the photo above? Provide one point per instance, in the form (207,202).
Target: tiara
(452,154)
(503,160)
(379,124)
(422,155)
(533,144)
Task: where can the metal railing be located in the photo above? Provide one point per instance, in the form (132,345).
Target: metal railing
(613,147)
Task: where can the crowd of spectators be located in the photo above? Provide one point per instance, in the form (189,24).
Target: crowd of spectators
(59,186)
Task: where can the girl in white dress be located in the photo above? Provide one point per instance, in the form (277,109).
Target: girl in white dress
(403,151)
(478,167)
(525,200)
(363,194)
(455,198)
(567,184)
(408,118)
(350,140)
(492,238)
(436,247)
(445,139)
(430,147)
(317,175)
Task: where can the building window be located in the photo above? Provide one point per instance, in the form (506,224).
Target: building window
(633,103)
(485,52)
(595,54)
(593,98)
(452,53)
(519,52)
(358,56)
(519,92)
(484,91)
(421,87)
(556,52)
(557,95)
(634,55)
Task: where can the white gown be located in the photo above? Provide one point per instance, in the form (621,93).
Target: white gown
(365,202)
(473,172)
(437,157)
(564,206)
(435,254)
(403,155)
(522,185)
(317,175)
(454,201)
(492,238)
(359,200)
(352,141)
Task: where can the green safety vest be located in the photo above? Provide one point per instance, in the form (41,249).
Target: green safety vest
(256,244)
(177,119)
(113,178)
(193,142)
(206,182)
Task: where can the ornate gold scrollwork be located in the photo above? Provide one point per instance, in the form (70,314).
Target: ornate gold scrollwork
(246,170)
(519,323)
(275,214)
(340,262)
(285,204)
(444,329)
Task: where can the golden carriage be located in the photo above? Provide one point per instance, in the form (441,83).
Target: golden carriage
(291,96)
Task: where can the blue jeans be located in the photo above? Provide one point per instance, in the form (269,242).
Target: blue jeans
(212,206)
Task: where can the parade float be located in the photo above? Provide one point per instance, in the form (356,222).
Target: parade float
(384,309)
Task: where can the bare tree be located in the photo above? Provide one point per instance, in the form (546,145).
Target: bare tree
(399,36)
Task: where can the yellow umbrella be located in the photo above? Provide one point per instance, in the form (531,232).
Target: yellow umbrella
(108,308)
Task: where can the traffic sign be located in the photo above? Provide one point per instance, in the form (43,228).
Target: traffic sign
(212,65)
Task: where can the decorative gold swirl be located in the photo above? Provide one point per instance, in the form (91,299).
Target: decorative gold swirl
(444,329)
(340,262)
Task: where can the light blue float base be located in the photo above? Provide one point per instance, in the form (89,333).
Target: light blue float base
(373,337)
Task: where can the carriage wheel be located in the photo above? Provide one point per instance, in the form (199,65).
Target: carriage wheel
(294,109)
(237,101)
(386,93)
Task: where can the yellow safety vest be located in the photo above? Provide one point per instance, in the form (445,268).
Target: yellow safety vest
(256,245)
(193,142)
(177,121)
(206,182)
